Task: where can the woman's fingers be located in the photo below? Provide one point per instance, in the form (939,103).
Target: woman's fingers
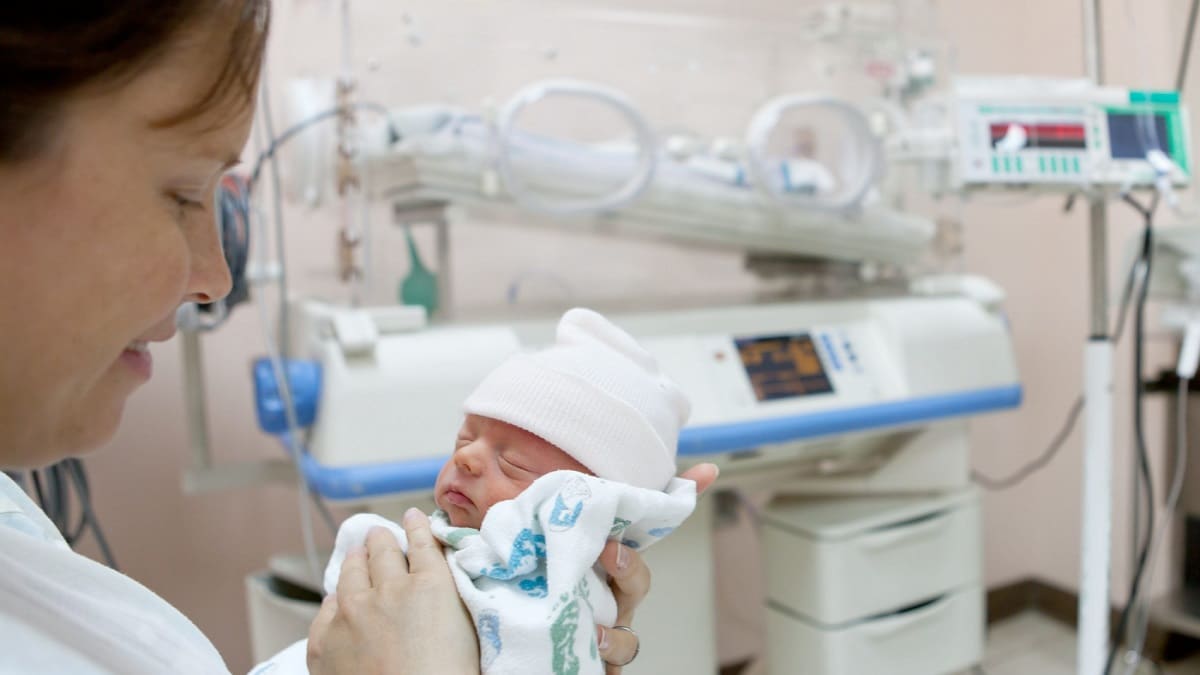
(424,553)
(630,581)
(629,578)
(385,560)
(355,576)
(616,647)
(703,474)
(319,627)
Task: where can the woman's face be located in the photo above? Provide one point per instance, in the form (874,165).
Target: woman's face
(103,234)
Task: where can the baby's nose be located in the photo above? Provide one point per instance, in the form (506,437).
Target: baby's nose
(467,460)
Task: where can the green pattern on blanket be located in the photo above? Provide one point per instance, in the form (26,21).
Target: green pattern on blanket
(618,526)
(562,636)
(455,537)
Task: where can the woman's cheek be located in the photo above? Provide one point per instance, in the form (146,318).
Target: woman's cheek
(169,267)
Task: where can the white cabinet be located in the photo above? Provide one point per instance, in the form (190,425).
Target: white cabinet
(942,636)
(860,585)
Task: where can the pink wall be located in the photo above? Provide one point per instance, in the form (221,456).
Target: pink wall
(195,550)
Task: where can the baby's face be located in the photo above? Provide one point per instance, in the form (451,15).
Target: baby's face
(493,461)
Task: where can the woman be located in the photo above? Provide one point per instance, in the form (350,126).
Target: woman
(116,119)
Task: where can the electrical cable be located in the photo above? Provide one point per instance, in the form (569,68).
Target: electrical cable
(53,487)
(268,119)
(1141,612)
(1186,53)
(276,356)
(1139,544)
(294,441)
(996,484)
(248,213)
(1139,429)
(1033,467)
(1149,545)
(273,145)
(79,477)
(278,142)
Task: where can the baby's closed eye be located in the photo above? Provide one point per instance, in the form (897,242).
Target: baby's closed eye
(516,463)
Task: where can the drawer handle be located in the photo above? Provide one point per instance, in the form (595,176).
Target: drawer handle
(883,628)
(897,535)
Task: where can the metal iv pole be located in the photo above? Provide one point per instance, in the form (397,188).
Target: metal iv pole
(1096,540)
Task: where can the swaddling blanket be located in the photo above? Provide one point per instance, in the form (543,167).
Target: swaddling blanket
(529,575)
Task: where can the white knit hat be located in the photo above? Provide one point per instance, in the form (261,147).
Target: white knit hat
(597,395)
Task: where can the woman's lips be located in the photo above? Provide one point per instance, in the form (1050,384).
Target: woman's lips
(138,359)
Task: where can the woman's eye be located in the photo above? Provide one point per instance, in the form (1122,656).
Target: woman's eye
(183,204)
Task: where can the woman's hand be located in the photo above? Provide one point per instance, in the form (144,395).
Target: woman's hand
(630,581)
(393,614)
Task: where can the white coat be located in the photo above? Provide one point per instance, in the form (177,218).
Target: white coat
(61,612)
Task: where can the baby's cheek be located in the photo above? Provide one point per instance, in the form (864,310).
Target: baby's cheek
(506,490)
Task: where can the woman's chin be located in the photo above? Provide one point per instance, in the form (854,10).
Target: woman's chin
(92,431)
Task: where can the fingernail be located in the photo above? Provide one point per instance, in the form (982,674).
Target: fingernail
(410,516)
(602,645)
(622,556)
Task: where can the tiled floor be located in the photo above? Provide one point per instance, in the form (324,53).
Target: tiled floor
(1027,644)
(1032,644)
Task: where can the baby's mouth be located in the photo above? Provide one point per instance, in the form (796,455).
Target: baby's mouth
(457,498)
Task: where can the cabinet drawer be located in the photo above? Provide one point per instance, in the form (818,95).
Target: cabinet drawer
(838,561)
(935,638)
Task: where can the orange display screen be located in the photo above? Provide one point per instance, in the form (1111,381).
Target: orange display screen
(783,366)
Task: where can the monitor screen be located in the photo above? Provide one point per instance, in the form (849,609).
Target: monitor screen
(1055,136)
(1132,135)
(783,366)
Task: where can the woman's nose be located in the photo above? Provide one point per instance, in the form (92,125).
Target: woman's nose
(210,278)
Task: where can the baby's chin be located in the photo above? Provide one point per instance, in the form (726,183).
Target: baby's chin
(458,518)
(464,521)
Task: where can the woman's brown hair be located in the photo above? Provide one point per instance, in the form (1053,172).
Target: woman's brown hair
(52,49)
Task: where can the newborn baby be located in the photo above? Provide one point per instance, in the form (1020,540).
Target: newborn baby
(493,461)
(560,451)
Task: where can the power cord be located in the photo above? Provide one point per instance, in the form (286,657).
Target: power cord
(293,439)
(55,488)
(291,132)
(1144,475)
(1017,477)
(1140,604)
(1036,465)
(1073,414)
(1139,277)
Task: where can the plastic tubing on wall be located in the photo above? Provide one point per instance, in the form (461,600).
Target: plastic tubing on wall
(869,153)
(541,90)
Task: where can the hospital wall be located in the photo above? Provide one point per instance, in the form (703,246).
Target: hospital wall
(196,549)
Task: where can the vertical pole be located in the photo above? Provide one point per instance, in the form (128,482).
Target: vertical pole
(445,289)
(1095,550)
(195,400)
(1096,540)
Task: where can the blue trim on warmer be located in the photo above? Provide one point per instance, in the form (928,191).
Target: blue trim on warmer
(749,435)
(371,480)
